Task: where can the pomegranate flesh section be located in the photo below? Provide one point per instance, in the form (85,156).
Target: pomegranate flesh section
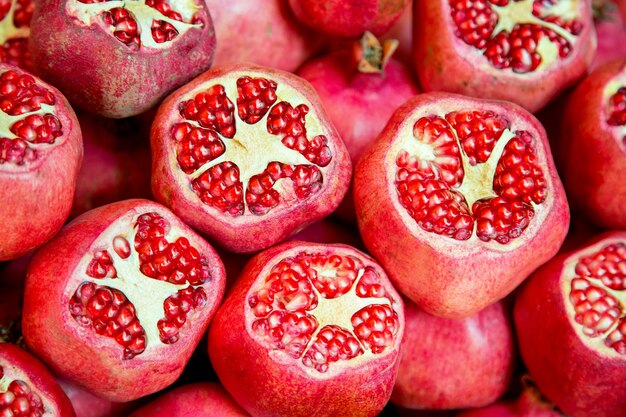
(15,19)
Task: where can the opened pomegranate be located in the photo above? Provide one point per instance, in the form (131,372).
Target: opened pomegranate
(260,32)
(524,51)
(611,31)
(459,200)
(27,388)
(193,400)
(570,322)
(15,16)
(310,329)
(252,174)
(119,299)
(454,363)
(360,88)
(349,18)
(40,154)
(119,59)
(593,139)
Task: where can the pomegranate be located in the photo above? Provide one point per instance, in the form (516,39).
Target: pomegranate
(454,363)
(15,16)
(116,164)
(611,31)
(120,298)
(524,51)
(360,88)
(311,329)
(248,177)
(349,18)
(40,154)
(593,138)
(402,31)
(459,200)
(86,404)
(570,322)
(260,32)
(193,400)
(119,59)
(27,388)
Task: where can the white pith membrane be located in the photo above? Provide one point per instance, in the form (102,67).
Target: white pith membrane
(12,373)
(335,312)
(521,12)
(91,14)
(612,87)
(8,30)
(146,294)
(606,318)
(478,179)
(253,147)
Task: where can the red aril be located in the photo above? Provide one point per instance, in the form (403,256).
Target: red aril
(119,299)
(611,31)
(40,154)
(459,200)
(27,388)
(593,141)
(119,59)
(15,19)
(247,156)
(570,322)
(454,363)
(309,329)
(524,51)
(360,87)
(193,400)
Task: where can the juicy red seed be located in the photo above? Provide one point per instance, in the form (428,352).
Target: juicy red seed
(255,97)
(20,94)
(501,220)
(16,151)
(617,108)
(14,51)
(195,146)
(220,187)
(607,265)
(478,132)
(176,307)
(163,31)
(36,128)
(375,326)
(20,400)
(126,29)
(332,344)
(212,109)
(101,266)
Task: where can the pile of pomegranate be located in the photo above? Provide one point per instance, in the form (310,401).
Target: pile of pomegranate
(313,208)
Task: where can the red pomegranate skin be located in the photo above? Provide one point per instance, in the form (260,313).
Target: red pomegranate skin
(193,400)
(86,404)
(454,363)
(445,63)
(276,386)
(594,162)
(246,233)
(37,196)
(581,375)
(102,75)
(528,404)
(18,365)
(261,33)
(611,32)
(77,353)
(444,278)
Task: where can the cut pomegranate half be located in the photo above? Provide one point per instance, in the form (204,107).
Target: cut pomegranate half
(571,325)
(133,291)
(15,16)
(309,327)
(248,156)
(459,200)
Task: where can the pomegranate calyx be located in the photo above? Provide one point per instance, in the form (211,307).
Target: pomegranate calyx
(372,55)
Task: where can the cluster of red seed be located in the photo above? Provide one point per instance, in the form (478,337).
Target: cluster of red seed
(19,400)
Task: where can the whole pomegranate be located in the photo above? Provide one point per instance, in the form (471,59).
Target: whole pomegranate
(524,51)
(27,388)
(593,141)
(119,59)
(15,16)
(611,32)
(454,363)
(119,299)
(40,154)
(570,322)
(360,88)
(193,400)
(309,329)
(349,18)
(459,200)
(260,32)
(250,176)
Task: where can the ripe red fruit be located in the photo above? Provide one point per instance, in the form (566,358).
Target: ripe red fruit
(570,323)
(611,31)
(309,329)
(593,141)
(119,299)
(527,51)
(454,363)
(27,388)
(248,176)
(40,154)
(15,19)
(120,59)
(194,400)
(86,404)
(459,200)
